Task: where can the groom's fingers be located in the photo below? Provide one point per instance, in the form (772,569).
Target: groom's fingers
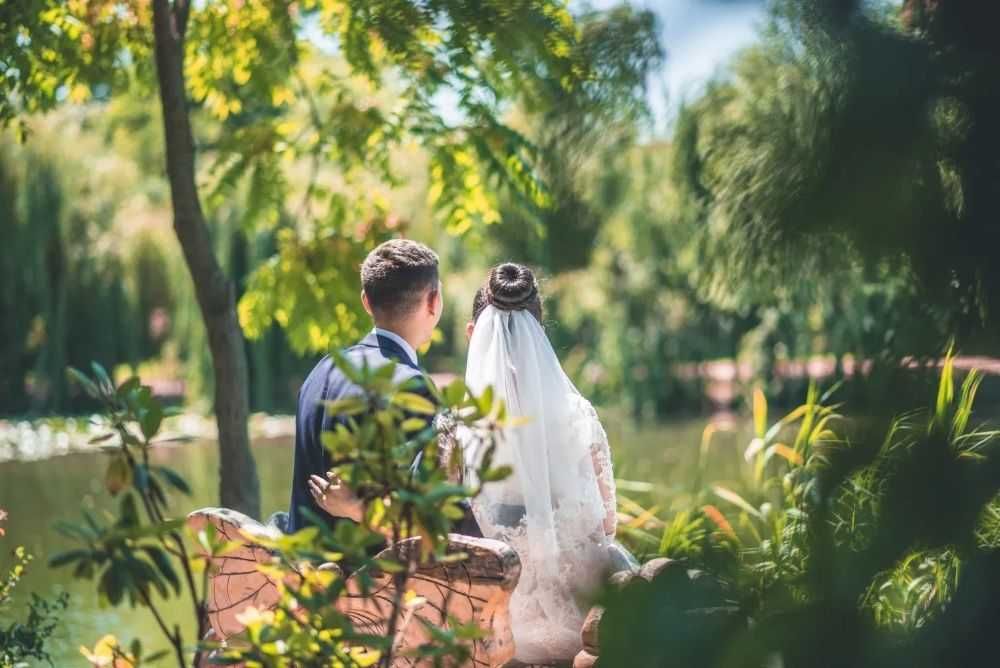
(323,483)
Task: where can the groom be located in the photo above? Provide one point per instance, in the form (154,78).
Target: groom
(401,290)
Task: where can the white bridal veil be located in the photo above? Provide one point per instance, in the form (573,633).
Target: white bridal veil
(551,510)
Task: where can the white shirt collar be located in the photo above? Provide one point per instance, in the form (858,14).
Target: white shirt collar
(403,343)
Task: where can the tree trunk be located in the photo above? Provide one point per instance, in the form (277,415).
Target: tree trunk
(238,485)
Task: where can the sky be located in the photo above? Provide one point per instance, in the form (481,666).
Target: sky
(700,36)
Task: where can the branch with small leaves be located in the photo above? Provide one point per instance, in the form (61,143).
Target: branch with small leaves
(138,554)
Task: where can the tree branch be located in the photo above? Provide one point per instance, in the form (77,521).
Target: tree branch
(182,9)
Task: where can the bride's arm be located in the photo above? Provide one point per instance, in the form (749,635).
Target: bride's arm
(600,455)
(449,449)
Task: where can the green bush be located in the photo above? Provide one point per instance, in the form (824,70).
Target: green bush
(21,641)
(847,542)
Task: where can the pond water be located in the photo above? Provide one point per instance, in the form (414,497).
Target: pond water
(39,493)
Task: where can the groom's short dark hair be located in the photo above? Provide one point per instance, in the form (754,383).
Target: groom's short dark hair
(397,274)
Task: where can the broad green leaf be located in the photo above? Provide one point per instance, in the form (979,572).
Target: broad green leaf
(413,424)
(88,385)
(68,557)
(103,380)
(496,474)
(346,407)
(414,403)
(151,420)
(174,479)
(455,392)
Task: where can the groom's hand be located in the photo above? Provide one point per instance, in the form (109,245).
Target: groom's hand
(336,498)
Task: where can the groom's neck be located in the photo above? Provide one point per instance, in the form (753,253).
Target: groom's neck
(407,333)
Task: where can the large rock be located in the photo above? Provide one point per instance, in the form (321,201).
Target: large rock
(694,585)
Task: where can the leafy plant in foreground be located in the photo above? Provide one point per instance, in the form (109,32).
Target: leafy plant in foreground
(390,453)
(864,542)
(142,555)
(21,641)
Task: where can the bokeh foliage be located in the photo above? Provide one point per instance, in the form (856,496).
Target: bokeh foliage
(863,130)
(848,541)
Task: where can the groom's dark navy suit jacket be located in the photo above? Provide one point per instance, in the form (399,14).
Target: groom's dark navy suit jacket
(327,383)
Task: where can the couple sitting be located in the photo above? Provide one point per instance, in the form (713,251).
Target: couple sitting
(557,509)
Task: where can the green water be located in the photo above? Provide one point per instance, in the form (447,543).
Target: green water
(37,494)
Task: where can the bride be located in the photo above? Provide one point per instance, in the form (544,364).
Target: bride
(557,509)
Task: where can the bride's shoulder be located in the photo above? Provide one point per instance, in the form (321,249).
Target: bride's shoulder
(580,403)
(589,425)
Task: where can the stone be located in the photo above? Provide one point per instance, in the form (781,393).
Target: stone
(622,578)
(654,567)
(589,633)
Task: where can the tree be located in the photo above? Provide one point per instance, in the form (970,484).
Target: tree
(257,66)
(858,129)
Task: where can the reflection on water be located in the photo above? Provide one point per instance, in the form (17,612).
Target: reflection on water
(39,493)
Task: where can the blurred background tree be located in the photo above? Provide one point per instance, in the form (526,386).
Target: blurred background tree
(819,199)
(861,134)
(788,212)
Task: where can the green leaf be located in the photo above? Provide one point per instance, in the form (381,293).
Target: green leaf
(156,656)
(414,424)
(136,648)
(346,407)
(68,557)
(141,480)
(156,491)
(104,381)
(174,479)
(946,387)
(347,367)
(389,566)
(88,385)
(454,393)
(112,584)
(128,386)
(151,419)
(414,403)
(162,561)
(128,513)
(495,474)
(485,400)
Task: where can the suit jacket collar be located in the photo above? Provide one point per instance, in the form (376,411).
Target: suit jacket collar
(389,348)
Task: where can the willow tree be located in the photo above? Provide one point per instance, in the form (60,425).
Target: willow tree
(451,66)
(858,130)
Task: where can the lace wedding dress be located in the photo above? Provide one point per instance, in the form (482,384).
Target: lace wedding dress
(557,509)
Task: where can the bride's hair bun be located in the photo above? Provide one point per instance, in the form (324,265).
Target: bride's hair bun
(512,287)
(509,287)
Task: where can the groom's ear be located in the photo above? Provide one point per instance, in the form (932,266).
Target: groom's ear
(469,326)
(435,300)
(366,303)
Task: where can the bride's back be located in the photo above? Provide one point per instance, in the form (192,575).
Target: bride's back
(554,508)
